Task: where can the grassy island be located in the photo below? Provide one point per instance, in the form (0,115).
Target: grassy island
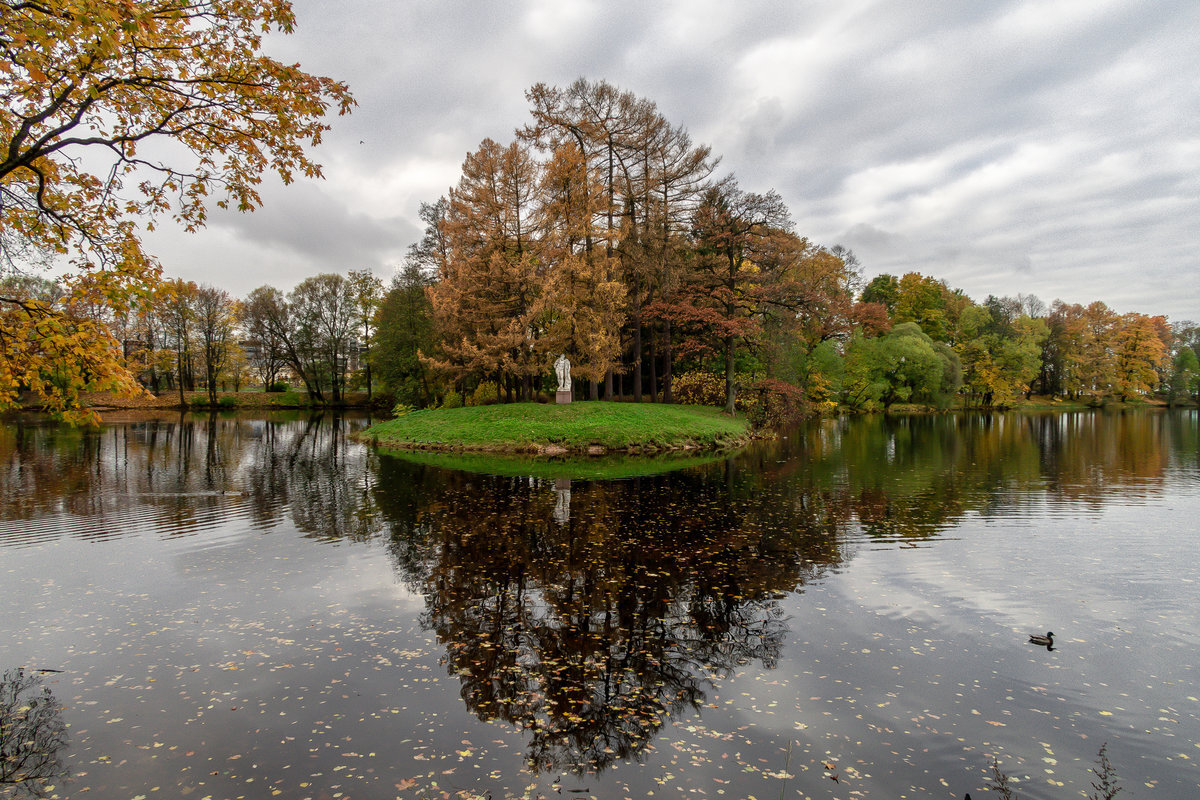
(581,427)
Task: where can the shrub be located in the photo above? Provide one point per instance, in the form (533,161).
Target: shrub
(484,394)
(777,403)
(278,386)
(698,389)
(753,394)
(227,401)
(401,409)
(452,400)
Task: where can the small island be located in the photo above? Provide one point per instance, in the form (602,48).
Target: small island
(586,427)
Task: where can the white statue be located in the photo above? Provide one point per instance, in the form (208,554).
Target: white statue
(562,369)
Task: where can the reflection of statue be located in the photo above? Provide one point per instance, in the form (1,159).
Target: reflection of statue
(562,370)
(562,503)
(590,634)
(32,735)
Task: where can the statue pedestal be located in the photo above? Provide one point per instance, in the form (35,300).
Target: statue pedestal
(562,397)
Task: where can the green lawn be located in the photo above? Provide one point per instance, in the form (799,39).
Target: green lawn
(572,426)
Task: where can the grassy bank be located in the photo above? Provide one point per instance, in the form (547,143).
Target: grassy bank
(574,427)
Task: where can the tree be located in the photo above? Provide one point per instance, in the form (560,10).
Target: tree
(1000,348)
(905,365)
(1184,382)
(214,317)
(270,315)
(490,280)
(641,178)
(1139,354)
(739,239)
(367,291)
(323,313)
(265,352)
(177,298)
(883,289)
(88,87)
(405,331)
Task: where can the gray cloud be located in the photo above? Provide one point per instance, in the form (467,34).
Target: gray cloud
(1006,147)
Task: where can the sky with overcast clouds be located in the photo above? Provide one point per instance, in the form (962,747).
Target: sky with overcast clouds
(1042,147)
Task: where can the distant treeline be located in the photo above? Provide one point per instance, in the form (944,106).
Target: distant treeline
(603,232)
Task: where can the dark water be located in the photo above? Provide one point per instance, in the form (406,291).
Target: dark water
(260,607)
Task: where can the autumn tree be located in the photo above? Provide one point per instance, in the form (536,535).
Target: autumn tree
(1000,348)
(930,303)
(642,179)
(89,87)
(367,291)
(269,313)
(214,316)
(581,311)
(741,239)
(265,351)
(491,277)
(1139,353)
(323,313)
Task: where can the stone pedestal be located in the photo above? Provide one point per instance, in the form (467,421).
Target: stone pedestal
(563,397)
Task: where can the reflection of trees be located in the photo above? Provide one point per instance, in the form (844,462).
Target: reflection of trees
(592,633)
(170,471)
(32,735)
(913,476)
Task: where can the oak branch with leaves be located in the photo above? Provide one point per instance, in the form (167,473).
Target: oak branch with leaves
(116,113)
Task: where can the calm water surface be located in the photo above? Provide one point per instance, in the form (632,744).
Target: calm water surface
(242,607)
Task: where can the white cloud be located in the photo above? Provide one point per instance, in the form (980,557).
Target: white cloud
(1007,147)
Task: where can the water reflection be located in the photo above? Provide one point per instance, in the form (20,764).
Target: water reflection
(590,630)
(32,736)
(179,474)
(590,613)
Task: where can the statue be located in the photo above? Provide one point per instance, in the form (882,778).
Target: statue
(562,369)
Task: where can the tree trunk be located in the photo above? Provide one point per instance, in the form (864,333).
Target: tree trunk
(179,369)
(730,390)
(637,361)
(653,366)
(594,388)
(668,396)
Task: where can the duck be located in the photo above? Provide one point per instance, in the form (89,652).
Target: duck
(1044,641)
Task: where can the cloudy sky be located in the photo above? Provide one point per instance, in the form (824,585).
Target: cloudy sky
(1042,147)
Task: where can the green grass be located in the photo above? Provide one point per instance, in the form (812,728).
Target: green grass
(572,427)
(585,468)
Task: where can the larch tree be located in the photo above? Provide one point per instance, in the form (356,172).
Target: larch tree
(491,277)
(582,309)
(89,87)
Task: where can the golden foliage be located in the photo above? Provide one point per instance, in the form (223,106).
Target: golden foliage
(108,78)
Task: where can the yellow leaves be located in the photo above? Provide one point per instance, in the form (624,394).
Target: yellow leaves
(107,74)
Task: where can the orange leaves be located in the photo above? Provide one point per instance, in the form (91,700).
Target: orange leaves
(101,76)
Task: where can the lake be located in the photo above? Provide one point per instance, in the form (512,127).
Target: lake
(256,607)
